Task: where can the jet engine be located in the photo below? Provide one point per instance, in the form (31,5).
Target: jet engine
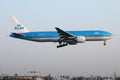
(81,39)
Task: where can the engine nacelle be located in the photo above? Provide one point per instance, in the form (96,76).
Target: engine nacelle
(81,39)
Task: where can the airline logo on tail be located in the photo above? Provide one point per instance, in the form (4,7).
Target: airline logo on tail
(19,27)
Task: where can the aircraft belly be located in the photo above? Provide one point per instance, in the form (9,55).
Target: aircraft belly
(56,39)
(97,38)
(43,39)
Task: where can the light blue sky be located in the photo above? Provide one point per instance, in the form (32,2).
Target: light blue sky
(19,56)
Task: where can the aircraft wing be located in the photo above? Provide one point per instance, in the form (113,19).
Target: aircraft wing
(65,37)
(63,33)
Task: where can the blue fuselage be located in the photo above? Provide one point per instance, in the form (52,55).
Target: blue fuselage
(52,36)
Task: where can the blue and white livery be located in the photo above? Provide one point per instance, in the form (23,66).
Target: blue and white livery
(64,38)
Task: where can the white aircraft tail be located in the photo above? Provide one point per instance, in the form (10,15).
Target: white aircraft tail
(19,28)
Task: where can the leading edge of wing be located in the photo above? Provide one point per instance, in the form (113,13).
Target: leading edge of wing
(63,33)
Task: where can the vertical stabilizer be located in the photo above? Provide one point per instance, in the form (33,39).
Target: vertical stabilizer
(18,27)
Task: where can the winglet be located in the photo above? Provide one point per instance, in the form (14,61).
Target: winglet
(56,28)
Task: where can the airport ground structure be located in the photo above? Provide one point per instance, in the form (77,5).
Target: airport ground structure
(62,77)
(27,78)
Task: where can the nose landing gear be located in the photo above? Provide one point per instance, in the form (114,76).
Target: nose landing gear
(104,43)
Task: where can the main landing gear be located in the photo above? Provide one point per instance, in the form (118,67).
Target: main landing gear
(62,44)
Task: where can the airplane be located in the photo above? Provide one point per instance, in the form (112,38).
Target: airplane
(64,38)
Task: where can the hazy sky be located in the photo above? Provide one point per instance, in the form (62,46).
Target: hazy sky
(20,56)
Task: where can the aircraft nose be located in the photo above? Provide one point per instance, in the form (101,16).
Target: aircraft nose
(108,34)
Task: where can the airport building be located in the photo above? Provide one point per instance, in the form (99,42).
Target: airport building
(63,77)
(20,78)
(26,78)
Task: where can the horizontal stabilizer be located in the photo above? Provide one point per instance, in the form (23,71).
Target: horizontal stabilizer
(17,34)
